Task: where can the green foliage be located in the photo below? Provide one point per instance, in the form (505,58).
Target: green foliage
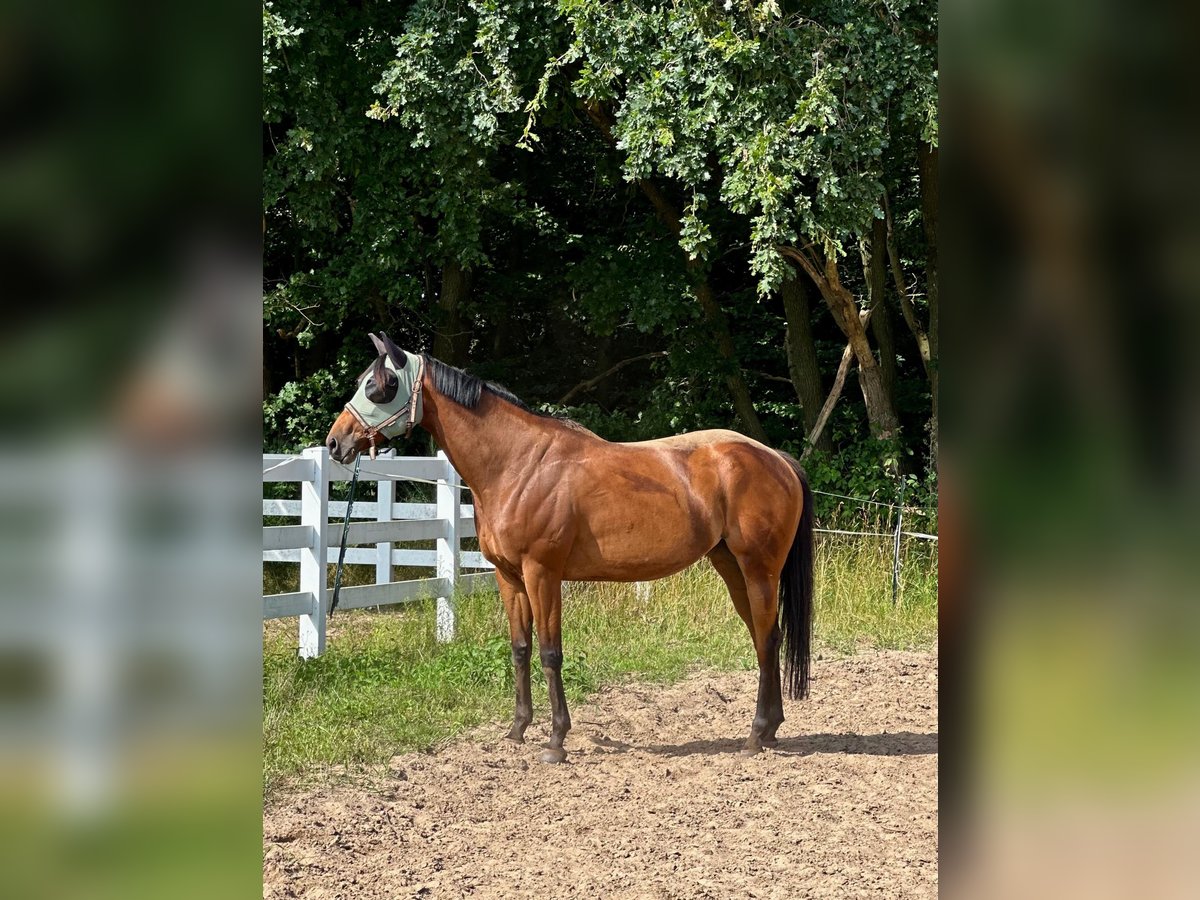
(300,413)
(638,282)
(404,139)
(866,469)
(784,117)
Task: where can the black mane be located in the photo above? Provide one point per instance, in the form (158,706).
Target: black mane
(464,388)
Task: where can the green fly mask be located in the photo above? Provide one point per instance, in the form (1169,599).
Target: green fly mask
(388,399)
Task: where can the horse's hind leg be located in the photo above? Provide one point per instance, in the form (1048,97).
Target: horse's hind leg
(726,565)
(520,621)
(762,590)
(766,636)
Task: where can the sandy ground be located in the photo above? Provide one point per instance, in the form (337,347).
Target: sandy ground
(654,802)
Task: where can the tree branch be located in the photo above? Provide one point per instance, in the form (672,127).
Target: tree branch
(592,382)
(806,261)
(769,377)
(835,392)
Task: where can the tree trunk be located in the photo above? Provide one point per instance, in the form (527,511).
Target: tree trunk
(451,342)
(739,391)
(881,414)
(714,315)
(906,305)
(928,157)
(502,339)
(802,353)
(874,269)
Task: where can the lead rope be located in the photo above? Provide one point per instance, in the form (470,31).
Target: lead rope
(337,575)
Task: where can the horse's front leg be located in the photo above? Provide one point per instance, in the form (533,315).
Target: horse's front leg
(520,622)
(545,595)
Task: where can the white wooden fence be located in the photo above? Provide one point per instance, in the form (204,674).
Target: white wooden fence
(316,541)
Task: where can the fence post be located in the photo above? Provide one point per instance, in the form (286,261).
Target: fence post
(314,513)
(896,552)
(384,498)
(447,547)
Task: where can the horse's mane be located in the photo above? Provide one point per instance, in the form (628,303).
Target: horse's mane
(465,389)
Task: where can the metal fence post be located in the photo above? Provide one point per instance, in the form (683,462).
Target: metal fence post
(385,497)
(449,512)
(314,514)
(896,552)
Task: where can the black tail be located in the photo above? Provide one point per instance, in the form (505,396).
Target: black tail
(795,596)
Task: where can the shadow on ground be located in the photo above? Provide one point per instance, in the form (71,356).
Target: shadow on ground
(901,743)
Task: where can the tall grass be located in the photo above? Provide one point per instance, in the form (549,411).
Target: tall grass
(853,604)
(385,685)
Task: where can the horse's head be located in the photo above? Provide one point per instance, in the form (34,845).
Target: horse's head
(386,404)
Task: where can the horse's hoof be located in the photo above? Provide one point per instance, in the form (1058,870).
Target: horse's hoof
(751,750)
(515,736)
(553,755)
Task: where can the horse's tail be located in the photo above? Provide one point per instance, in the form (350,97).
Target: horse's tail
(795,595)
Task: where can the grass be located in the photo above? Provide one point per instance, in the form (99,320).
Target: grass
(385,685)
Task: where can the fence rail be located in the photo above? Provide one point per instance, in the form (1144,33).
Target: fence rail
(384,523)
(381,523)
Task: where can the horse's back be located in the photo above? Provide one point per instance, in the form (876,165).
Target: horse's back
(735,455)
(710,437)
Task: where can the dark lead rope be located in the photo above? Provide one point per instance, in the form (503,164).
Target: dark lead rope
(337,576)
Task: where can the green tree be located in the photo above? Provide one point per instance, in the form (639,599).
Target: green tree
(628,209)
(781,117)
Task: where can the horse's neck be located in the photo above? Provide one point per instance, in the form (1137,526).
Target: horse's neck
(488,444)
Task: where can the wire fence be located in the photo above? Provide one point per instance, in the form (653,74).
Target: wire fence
(896,512)
(864,500)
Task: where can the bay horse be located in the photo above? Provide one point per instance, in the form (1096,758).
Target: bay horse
(555,502)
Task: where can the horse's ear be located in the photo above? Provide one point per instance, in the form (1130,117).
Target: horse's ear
(380,347)
(386,345)
(382,383)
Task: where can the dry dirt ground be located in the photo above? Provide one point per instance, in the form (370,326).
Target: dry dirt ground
(654,802)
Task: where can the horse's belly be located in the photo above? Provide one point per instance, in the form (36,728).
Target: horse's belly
(620,570)
(637,546)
